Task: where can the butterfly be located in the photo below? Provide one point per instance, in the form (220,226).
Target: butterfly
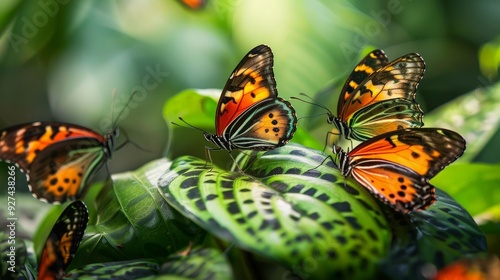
(396,166)
(58,159)
(63,241)
(378,96)
(250,115)
(194,4)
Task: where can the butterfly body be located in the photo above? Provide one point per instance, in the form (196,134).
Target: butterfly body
(63,241)
(250,115)
(379,97)
(397,166)
(58,159)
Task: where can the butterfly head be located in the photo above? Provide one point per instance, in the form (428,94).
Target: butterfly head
(219,141)
(341,126)
(208,136)
(111,137)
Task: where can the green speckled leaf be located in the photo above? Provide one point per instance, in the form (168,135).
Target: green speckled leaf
(134,269)
(285,208)
(200,263)
(445,232)
(133,221)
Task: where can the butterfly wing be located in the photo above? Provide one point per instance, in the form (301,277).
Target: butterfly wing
(63,241)
(398,165)
(61,171)
(251,82)
(20,144)
(398,79)
(385,116)
(268,125)
(54,153)
(367,66)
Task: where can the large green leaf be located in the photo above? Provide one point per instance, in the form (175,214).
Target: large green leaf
(133,221)
(284,208)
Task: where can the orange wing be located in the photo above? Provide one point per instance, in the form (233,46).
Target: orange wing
(398,79)
(398,165)
(267,126)
(367,66)
(251,82)
(20,144)
(61,171)
(63,241)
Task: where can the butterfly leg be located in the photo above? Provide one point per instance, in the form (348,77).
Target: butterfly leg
(237,165)
(329,157)
(209,156)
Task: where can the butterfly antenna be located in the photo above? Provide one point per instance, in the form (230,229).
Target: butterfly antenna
(188,125)
(123,109)
(128,141)
(311,103)
(113,98)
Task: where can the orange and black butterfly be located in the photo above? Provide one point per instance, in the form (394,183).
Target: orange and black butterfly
(63,241)
(194,4)
(396,166)
(58,159)
(379,96)
(250,115)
